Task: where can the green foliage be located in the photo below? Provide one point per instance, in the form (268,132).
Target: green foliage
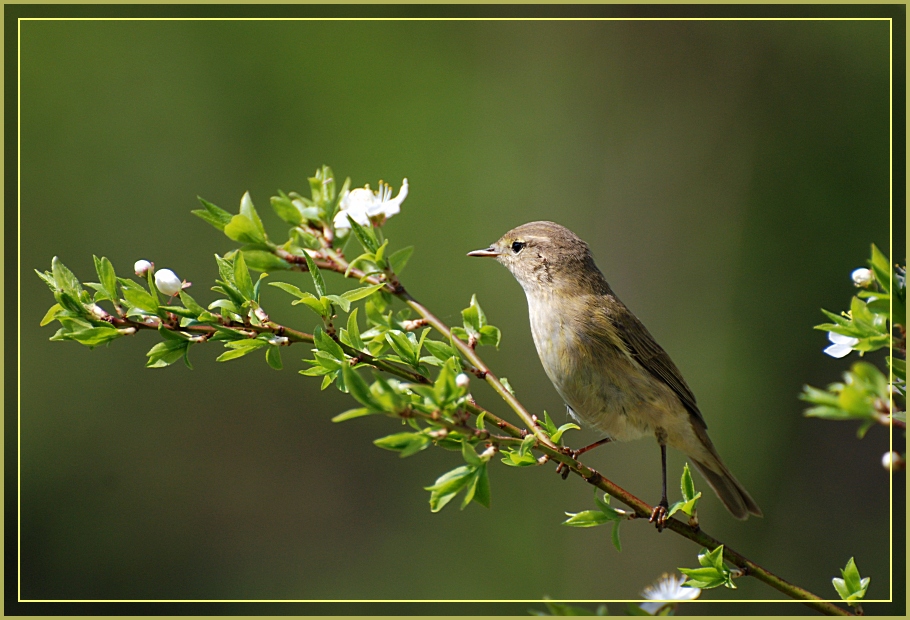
(713,571)
(555,434)
(604,514)
(476,329)
(472,478)
(690,497)
(863,396)
(850,586)
(870,316)
(522,457)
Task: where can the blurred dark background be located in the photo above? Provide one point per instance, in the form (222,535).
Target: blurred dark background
(727,175)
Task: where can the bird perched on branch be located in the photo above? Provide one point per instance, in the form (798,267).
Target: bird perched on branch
(608,369)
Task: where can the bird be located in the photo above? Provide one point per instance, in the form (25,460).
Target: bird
(603,362)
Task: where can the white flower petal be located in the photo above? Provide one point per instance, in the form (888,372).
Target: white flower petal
(838,350)
(841,339)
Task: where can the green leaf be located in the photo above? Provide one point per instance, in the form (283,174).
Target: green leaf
(586,518)
(350,414)
(481,486)
(273,357)
(190,304)
(402,345)
(490,336)
(318,281)
(48,279)
(447,486)
(404,443)
(686,485)
(166,353)
(325,343)
(353,331)
(260,260)
(399,259)
(239,348)
(479,423)
(470,455)
(473,317)
(440,350)
(51,314)
(242,278)
(244,230)
(65,280)
(285,209)
(562,429)
(106,277)
(248,210)
(851,587)
(614,536)
(215,216)
(365,236)
(358,388)
(139,298)
(93,336)
(881,269)
(360,293)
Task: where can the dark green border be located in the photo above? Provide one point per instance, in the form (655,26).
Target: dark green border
(13,12)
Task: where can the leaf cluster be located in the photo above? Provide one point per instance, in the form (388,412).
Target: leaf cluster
(712,573)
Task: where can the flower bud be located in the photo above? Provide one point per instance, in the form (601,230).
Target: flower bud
(142,267)
(462,380)
(862,277)
(168,282)
(892,461)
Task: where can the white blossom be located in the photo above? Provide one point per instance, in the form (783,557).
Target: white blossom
(842,345)
(141,267)
(665,591)
(462,380)
(363,205)
(168,282)
(892,461)
(862,277)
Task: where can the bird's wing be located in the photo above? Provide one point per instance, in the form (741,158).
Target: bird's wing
(645,350)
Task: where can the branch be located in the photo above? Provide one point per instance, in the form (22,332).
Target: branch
(334,262)
(252,331)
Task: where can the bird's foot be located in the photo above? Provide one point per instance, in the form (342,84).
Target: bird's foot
(659,515)
(562,469)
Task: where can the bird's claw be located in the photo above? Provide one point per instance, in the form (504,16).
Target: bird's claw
(563,470)
(659,516)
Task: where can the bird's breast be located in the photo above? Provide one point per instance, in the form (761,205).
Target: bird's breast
(594,375)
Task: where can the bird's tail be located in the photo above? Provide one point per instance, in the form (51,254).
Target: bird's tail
(733,495)
(729,490)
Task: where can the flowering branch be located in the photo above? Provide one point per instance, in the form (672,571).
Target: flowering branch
(435,403)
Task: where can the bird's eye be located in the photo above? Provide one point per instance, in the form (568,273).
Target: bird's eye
(518,246)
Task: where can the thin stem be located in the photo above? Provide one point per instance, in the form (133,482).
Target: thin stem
(555,453)
(271,327)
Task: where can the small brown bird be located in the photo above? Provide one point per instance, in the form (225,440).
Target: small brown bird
(608,369)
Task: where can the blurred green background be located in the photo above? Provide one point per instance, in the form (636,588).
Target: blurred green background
(727,175)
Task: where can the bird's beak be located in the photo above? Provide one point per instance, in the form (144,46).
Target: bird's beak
(490,251)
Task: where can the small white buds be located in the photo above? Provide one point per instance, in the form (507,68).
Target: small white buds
(462,380)
(892,461)
(862,277)
(142,267)
(168,282)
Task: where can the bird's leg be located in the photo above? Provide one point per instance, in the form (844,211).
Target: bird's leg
(660,513)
